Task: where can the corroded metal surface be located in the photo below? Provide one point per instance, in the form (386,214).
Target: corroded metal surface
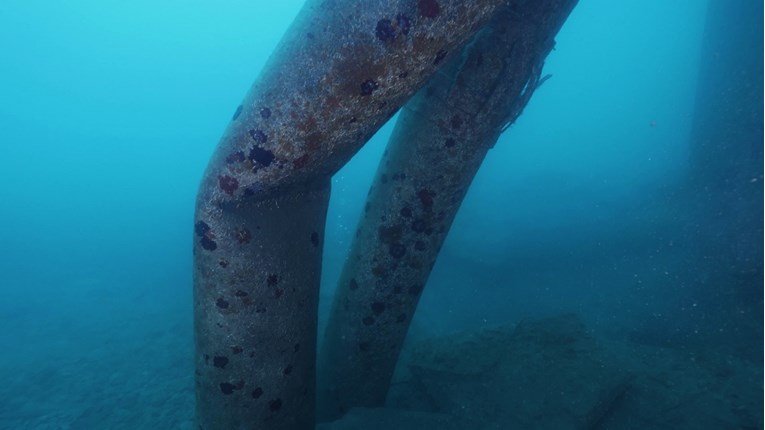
(439,142)
(342,70)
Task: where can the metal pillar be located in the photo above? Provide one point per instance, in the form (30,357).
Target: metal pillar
(437,146)
(341,71)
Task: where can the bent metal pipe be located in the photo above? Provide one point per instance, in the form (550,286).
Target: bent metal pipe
(435,150)
(340,72)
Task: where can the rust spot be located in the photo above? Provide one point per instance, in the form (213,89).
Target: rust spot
(426,197)
(228,184)
(300,162)
(243,236)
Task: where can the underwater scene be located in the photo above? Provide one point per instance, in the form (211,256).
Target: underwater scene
(381,214)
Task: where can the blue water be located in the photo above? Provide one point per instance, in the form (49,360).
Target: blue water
(110,110)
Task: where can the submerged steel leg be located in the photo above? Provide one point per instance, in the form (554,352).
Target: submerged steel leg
(342,70)
(439,141)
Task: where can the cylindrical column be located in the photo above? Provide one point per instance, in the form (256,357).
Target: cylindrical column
(342,70)
(257,271)
(439,142)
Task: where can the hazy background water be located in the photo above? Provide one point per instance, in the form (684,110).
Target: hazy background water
(108,114)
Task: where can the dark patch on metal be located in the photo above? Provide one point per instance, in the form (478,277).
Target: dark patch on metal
(353,285)
(243,236)
(368,87)
(429,8)
(208,244)
(236,349)
(228,388)
(223,263)
(264,157)
(220,361)
(257,392)
(201,228)
(406,212)
(368,320)
(287,370)
(315,238)
(385,31)
(265,113)
(426,197)
(240,293)
(272,280)
(221,303)
(440,55)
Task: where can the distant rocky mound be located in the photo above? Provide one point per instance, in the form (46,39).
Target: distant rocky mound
(554,374)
